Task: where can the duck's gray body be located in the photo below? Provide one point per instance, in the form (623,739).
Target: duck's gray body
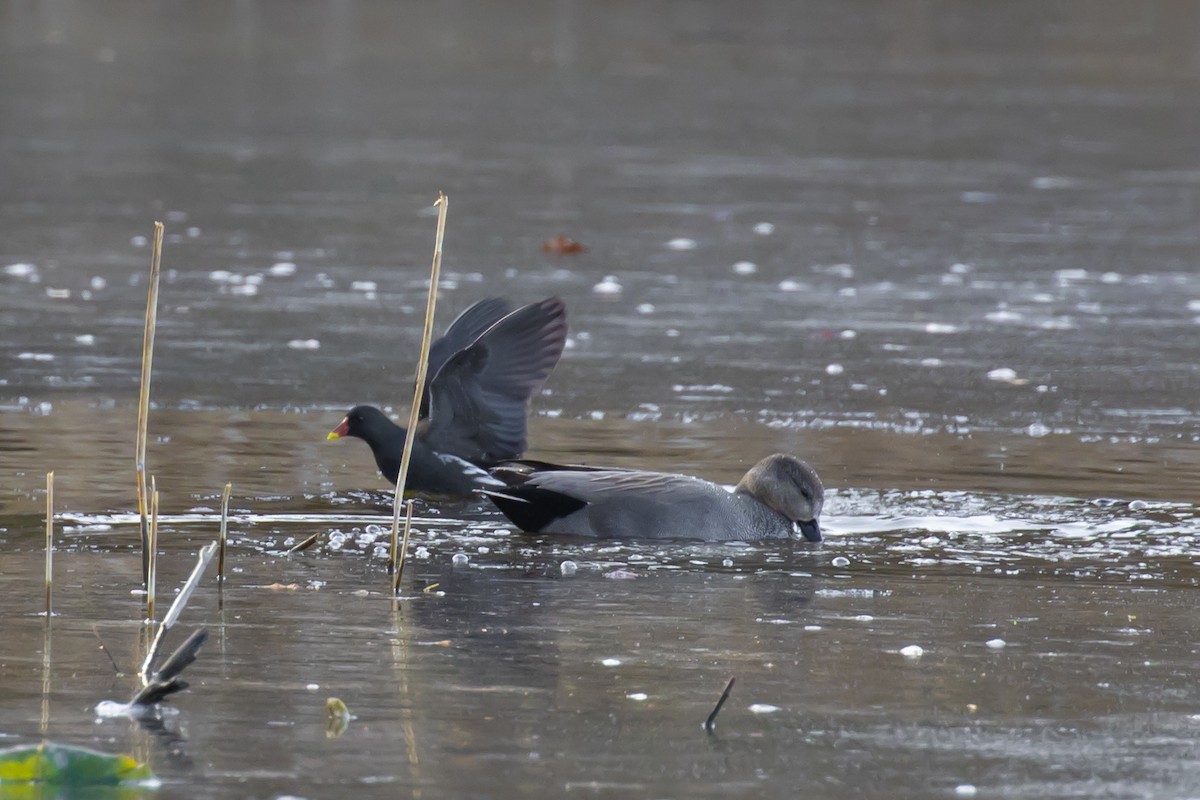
(634,504)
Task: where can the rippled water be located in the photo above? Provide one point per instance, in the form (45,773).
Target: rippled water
(946,253)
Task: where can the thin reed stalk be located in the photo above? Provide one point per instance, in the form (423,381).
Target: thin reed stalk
(153,570)
(143,417)
(49,541)
(224,532)
(403,549)
(442,204)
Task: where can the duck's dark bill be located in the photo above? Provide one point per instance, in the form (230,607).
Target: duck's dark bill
(811,530)
(341,430)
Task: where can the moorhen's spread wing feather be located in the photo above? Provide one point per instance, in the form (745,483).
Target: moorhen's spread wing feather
(462,333)
(479,398)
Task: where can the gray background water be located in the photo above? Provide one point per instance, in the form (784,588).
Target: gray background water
(955,190)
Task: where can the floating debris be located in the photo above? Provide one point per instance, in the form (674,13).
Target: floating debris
(744,268)
(996,644)
(562,245)
(68,765)
(913,651)
(764,708)
(337,718)
(282,269)
(568,568)
(764,228)
(611,662)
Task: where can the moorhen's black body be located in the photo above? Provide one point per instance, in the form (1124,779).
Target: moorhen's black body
(484,370)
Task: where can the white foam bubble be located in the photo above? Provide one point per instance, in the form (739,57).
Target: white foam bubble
(940,327)
(608,286)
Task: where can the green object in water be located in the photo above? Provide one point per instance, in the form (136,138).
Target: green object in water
(66,765)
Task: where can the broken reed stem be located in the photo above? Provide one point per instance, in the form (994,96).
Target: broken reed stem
(710,724)
(181,600)
(143,417)
(49,539)
(422,365)
(224,532)
(403,549)
(152,572)
(307,543)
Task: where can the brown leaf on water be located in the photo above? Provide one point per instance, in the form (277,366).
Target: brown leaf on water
(562,245)
(282,587)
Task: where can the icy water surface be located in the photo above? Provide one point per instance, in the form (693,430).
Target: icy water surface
(945,252)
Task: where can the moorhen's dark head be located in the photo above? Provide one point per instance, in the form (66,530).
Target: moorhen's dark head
(364,422)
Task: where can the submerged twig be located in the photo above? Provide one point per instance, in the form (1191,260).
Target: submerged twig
(49,540)
(103,649)
(710,724)
(403,549)
(442,204)
(143,417)
(307,543)
(181,600)
(224,531)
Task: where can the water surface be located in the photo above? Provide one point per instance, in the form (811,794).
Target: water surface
(947,253)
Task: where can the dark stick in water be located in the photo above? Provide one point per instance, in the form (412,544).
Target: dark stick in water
(710,724)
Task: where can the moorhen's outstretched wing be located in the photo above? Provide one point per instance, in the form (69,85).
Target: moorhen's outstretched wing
(479,398)
(462,333)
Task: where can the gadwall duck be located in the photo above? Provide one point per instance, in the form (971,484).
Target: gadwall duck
(777,495)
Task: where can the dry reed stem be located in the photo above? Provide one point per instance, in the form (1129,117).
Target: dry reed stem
(403,549)
(422,366)
(224,532)
(49,540)
(181,600)
(143,417)
(152,573)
